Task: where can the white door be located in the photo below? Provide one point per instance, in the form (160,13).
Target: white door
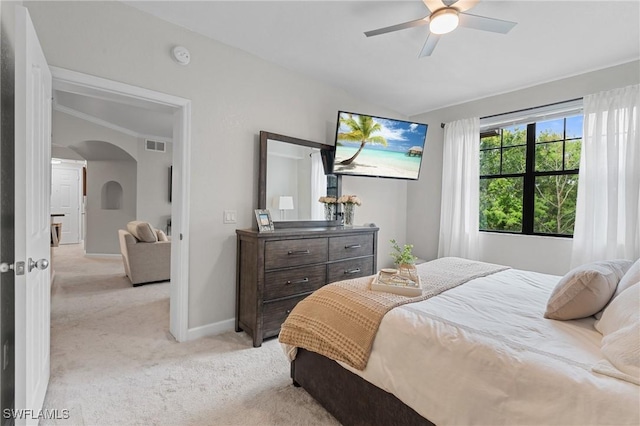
(65,199)
(32,224)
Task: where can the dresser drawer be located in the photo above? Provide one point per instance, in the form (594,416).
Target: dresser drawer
(294,281)
(287,253)
(348,269)
(274,314)
(350,246)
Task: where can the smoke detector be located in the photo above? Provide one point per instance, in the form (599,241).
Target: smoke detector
(181,55)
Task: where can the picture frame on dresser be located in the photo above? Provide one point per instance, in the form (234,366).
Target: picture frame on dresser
(264,221)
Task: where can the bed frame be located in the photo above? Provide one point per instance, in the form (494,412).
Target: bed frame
(347,396)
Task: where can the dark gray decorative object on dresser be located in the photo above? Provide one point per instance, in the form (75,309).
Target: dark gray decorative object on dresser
(275,270)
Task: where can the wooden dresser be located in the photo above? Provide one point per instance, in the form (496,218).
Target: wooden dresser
(275,270)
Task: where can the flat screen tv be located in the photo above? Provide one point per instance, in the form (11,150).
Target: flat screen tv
(378,147)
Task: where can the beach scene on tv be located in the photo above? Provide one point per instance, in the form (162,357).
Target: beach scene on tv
(374,146)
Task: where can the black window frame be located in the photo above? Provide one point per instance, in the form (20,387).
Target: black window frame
(530,174)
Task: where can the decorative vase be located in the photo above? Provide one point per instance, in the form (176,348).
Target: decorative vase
(349,214)
(408,270)
(329,211)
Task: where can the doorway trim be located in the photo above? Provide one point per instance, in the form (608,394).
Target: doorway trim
(76,82)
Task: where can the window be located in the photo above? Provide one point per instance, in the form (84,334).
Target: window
(529,177)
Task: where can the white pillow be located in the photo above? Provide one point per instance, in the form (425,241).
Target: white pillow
(631,277)
(622,311)
(585,290)
(620,327)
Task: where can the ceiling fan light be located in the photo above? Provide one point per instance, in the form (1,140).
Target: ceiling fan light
(444,21)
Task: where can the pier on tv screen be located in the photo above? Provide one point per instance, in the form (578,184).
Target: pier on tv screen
(379,147)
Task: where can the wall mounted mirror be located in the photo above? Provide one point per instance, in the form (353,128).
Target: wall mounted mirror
(292,178)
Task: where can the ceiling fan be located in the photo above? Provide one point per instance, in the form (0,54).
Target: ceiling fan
(446,16)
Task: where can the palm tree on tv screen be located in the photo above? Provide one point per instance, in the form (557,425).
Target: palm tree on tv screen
(361,130)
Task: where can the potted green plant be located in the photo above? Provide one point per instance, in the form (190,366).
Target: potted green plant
(404,259)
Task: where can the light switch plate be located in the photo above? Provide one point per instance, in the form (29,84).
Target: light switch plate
(229,216)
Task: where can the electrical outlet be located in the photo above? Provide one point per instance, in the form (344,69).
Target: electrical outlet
(229,216)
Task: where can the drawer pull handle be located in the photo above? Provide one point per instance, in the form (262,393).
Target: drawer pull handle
(352,271)
(352,246)
(298,252)
(302,281)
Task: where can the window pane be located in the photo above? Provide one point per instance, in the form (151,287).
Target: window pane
(490,142)
(572,154)
(574,127)
(552,130)
(555,204)
(513,160)
(549,157)
(514,135)
(501,204)
(490,162)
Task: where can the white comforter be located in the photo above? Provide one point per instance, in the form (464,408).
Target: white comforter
(483,353)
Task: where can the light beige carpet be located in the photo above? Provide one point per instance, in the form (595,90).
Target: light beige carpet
(113,361)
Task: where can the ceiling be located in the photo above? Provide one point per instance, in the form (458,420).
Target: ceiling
(151,121)
(324,40)
(137,119)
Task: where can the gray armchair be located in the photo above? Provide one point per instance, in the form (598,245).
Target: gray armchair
(145,258)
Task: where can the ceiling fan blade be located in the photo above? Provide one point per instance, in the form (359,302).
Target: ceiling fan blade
(485,24)
(429,44)
(398,27)
(434,5)
(463,5)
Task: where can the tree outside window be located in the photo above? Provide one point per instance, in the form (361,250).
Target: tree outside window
(529,177)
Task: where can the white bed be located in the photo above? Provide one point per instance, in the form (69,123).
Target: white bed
(482,353)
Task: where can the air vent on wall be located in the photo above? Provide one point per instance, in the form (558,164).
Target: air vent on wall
(155,145)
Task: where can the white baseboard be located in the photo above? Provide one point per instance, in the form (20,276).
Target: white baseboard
(211,329)
(102,255)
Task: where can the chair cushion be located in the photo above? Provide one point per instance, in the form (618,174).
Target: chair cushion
(161,235)
(143,231)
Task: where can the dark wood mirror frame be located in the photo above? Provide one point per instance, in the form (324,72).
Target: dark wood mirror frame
(262,179)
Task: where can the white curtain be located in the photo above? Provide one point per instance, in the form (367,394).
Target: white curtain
(318,186)
(459,216)
(608,205)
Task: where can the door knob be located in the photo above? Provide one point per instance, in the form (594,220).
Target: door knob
(41,264)
(5,267)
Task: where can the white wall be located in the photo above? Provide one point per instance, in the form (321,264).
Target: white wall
(153,204)
(152,184)
(64,152)
(543,254)
(234,95)
(289,173)
(68,130)
(103,225)
(282,175)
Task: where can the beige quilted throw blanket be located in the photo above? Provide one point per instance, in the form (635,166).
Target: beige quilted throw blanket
(340,320)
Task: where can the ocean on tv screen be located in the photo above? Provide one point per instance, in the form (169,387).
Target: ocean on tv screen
(377,162)
(392,149)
